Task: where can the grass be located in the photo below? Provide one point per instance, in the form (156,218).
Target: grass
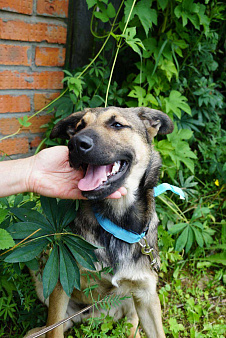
(192,306)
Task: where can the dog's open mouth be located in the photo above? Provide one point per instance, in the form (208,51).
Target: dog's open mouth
(99,176)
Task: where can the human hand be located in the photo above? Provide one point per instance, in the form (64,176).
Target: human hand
(50,175)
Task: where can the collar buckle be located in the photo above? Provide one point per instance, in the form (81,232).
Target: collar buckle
(147,250)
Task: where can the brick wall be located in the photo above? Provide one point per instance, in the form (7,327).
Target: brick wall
(32,55)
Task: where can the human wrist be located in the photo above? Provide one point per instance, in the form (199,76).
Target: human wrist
(14,176)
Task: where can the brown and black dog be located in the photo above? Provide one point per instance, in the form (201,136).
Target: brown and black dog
(113,147)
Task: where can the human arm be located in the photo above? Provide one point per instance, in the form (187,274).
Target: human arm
(48,173)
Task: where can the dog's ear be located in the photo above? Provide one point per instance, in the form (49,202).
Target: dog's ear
(66,128)
(155,121)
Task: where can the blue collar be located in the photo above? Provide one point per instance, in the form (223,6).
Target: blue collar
(130,236)
(118,232)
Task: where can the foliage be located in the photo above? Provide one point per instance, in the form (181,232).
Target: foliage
(104,327)
(192,303)
(19,308)
(34,232)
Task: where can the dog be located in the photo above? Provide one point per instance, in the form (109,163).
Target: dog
(113,146)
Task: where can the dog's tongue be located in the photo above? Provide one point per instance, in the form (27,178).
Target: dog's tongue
(95,176)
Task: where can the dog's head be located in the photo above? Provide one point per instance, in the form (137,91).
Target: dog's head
(112,145)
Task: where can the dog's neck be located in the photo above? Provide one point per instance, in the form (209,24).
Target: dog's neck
(124,211)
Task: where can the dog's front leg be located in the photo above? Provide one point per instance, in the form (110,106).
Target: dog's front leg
(58,302)
(149,312)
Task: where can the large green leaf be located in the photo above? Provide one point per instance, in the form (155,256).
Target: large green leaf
(67,271)
(77,273)
(6,240)
(81,256)
(169,69)
(51,273)
(66,213)
(33,216)
(177,102)
(190,240)
(218,258)
(177,228)
(49,206)
(3,213)
(198,236)
(27,252)
(22,230)
(82,243)
(182,239)
(146,14)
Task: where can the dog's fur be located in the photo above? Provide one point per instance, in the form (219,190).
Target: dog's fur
(102,136)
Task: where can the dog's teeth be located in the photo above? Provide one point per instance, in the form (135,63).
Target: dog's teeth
(115,168)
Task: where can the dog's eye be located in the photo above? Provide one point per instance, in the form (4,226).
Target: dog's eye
(117,125)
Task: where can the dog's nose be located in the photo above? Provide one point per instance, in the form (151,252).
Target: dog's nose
(83,144)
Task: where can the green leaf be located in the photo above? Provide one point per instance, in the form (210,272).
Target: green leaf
(75,85)
(187,10)
(176,102)
(66,71)
(133,42)
(22,230)
(111,11)
(33,216)
(163,3)
(67,271)
(91,3)
(33,264)
(146,15)
(198,236)
(6,240)
(24,121)
(77,273)
(77,240)
(189,164)
(49,206)
(218,258)
(27,252)
(177,228)
(138,93)
(3,213)
(182,239)
(96,101)
(190,240)
(18,200)
(66,213)
(169,68)
(80,255)
(51,272)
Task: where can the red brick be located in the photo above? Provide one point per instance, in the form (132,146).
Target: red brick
(14,104)
(34,143)
(25,31)
(19,6)
(14,146)
(41,100)
(15,55)
(9,126)
(48,56)
(22,80)
(53,8)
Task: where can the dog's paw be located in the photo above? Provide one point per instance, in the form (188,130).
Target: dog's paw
(134,333)
(36,330)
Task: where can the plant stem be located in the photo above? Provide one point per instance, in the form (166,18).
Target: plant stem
(174,210)
(117,51)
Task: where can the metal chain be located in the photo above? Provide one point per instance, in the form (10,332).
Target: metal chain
(148,251)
